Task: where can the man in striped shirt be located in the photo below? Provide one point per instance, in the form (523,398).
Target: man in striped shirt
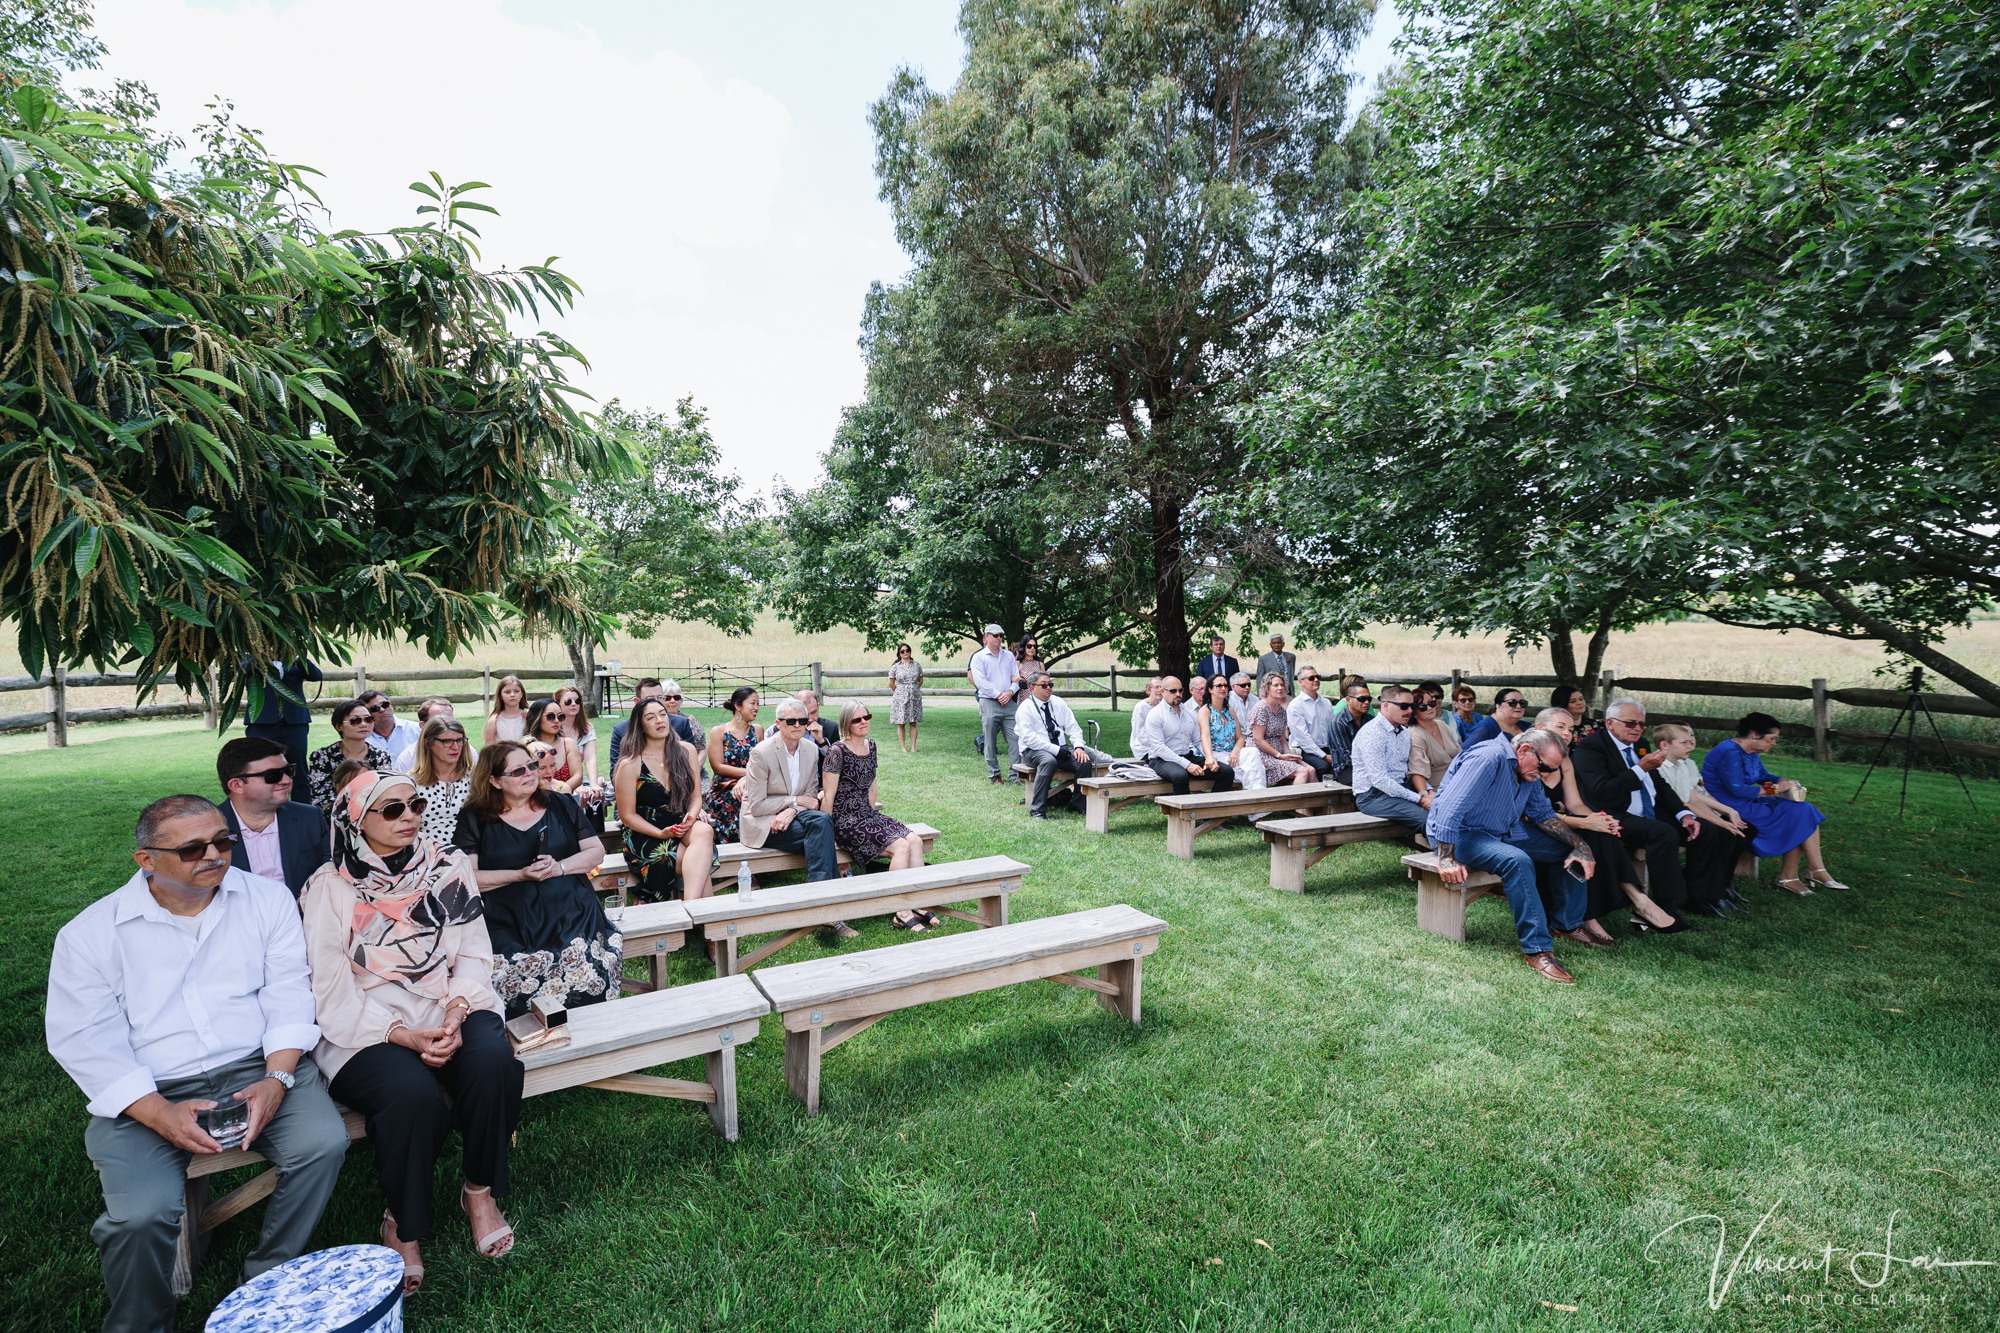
(1492,814)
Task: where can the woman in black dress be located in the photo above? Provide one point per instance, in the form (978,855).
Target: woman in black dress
(532,850)
(847,792)
(669,838)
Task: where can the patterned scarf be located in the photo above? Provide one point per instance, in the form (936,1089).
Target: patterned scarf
(400,915)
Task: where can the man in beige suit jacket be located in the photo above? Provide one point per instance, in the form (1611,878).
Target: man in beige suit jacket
(780,796)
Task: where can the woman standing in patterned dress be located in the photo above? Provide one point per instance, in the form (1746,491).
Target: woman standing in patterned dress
(669,837)
(906,707)
(1270,733)
(729,748)
(847,792)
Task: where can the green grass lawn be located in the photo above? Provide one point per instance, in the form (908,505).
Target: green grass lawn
(1329,1120)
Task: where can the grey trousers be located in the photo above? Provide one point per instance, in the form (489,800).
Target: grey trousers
(1046,767)
(145,1178)
(1384,806)
(996,716)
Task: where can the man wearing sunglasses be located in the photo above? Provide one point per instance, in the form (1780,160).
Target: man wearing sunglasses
(1172,743)
(1347,724)
(1493,814)
(277,837)
(1382,765)
(1510,711)
(1050,740)
(1311,718)
(184,990)
(1614,771)
(780,796)
(385,733)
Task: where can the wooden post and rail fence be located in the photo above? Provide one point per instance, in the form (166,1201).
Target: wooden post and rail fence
(704,685)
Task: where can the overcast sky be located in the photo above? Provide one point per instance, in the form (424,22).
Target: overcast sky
(705,171)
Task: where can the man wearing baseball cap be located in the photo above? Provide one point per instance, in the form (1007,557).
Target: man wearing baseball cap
(992,670)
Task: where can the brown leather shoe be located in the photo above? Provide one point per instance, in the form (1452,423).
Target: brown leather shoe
(1546,964)
(1581,936)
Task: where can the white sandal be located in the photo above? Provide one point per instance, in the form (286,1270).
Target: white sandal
(1829,882)
(1802,891)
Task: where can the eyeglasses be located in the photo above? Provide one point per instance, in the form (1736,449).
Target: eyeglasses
(865,717)
(1313,679)
(1427,706)
(1045,684)
(521,772)
(1399,703)
(282,773)
(1626,721)
(224,843)
(1546,770)
(448,740)
(394,810)
(1172,693)
(358,715)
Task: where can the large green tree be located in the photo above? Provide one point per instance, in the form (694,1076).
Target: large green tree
(1116,215)
(227,439)
(1703,294)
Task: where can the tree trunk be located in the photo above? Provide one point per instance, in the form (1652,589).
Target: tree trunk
(1909,645)
(1593,666)
(1562,652)
(583,670)
(1170,625)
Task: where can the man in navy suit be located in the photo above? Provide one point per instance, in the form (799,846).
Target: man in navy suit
(277,837)
(284,721)
(1217,663)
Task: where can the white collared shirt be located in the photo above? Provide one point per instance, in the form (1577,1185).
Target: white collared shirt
(1031,726)
(135,997)
(1170,733)
(1637,805)
(1311,721)
(403,736)
(792,765)
(1242,708)
(1381,757)
(993,673)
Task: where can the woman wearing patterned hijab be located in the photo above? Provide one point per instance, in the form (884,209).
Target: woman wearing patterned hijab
(401,971)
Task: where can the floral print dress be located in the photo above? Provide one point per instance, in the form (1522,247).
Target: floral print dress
(724,806)
(323,762)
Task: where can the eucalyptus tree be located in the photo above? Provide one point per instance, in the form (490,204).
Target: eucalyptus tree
(1117,214)
(1703,294)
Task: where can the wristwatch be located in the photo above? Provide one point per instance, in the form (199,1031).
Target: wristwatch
(284,1076)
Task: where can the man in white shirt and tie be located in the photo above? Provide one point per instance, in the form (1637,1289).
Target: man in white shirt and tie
(992,670)
(1173,743)
(1381,758)
(182,991)
(1614,772)
(1051,740)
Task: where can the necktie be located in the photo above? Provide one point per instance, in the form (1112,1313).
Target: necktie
(1645,794)
(1049,721)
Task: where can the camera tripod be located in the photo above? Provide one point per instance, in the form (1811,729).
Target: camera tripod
(1912,705)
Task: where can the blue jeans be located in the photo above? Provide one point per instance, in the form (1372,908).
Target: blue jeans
(1514,863)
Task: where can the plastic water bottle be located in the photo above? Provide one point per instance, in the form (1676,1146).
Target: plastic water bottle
(743,880)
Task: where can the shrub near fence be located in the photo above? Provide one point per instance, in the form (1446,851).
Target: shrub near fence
(1805,712)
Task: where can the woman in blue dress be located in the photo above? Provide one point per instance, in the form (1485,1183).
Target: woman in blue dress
(1734,774)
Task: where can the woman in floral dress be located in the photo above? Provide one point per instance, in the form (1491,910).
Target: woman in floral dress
(906,707)
(847,792)
(729,748)
(1271,733)
(669,840)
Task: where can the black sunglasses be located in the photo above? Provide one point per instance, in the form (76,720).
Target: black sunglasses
(1362,698)
(273,776)
(378,708)
(1313,679)
(791,722)
(195,851)
(394,810)
(1398,703)
(1516,702)
(864,717)
(1546,770)
(520,772)
(670,698)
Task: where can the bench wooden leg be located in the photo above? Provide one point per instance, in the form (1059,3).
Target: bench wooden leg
(1440,907)
(1097,812)
(723,953)
(802,1051)
(1125,976)
(193,1240)
(1180,835)
(993,911)
(1288,868)
(722,1077)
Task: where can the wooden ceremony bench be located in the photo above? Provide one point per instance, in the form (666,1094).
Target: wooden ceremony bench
(798,909)
(1190,816)
(608,1043)
(1441,906)
(614,876)
(651,931)
(1060,778)
(1102,795)
(826,1001)
(1297,845)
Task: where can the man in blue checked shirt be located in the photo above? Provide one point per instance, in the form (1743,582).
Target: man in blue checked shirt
(1492,814)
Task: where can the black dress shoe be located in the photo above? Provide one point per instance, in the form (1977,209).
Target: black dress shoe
(1708,909)
(1645,927)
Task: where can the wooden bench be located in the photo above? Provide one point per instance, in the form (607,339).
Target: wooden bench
(1441,906)
(651,931)
(1060,779)
(1297,845)
(1102,795)
(613,876)
(608,1043)
(1190,816)
(827,1001)
(726,920)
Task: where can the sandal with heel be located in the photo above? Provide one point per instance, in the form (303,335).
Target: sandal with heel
(1829,882)
(1802,891)
(413,1274)
(494,1243)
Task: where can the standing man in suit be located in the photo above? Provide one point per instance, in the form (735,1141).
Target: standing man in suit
(284,721)
(277,837)
(780,796)
(1614,772)
(992,670)
(1278,660)
(1217,663)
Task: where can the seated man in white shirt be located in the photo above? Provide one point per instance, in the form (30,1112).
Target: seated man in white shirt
(386,733)
(1050,739)
(1310,717)
(1173,745)
(184,990)
(1381,759)
(1240,702)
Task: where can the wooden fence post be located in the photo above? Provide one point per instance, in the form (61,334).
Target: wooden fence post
(1114,687)
(360,681)
(1457,675)
(208,704)
(1606,683)
(1822,747)
(817,677)
(485,688)
(55,699)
